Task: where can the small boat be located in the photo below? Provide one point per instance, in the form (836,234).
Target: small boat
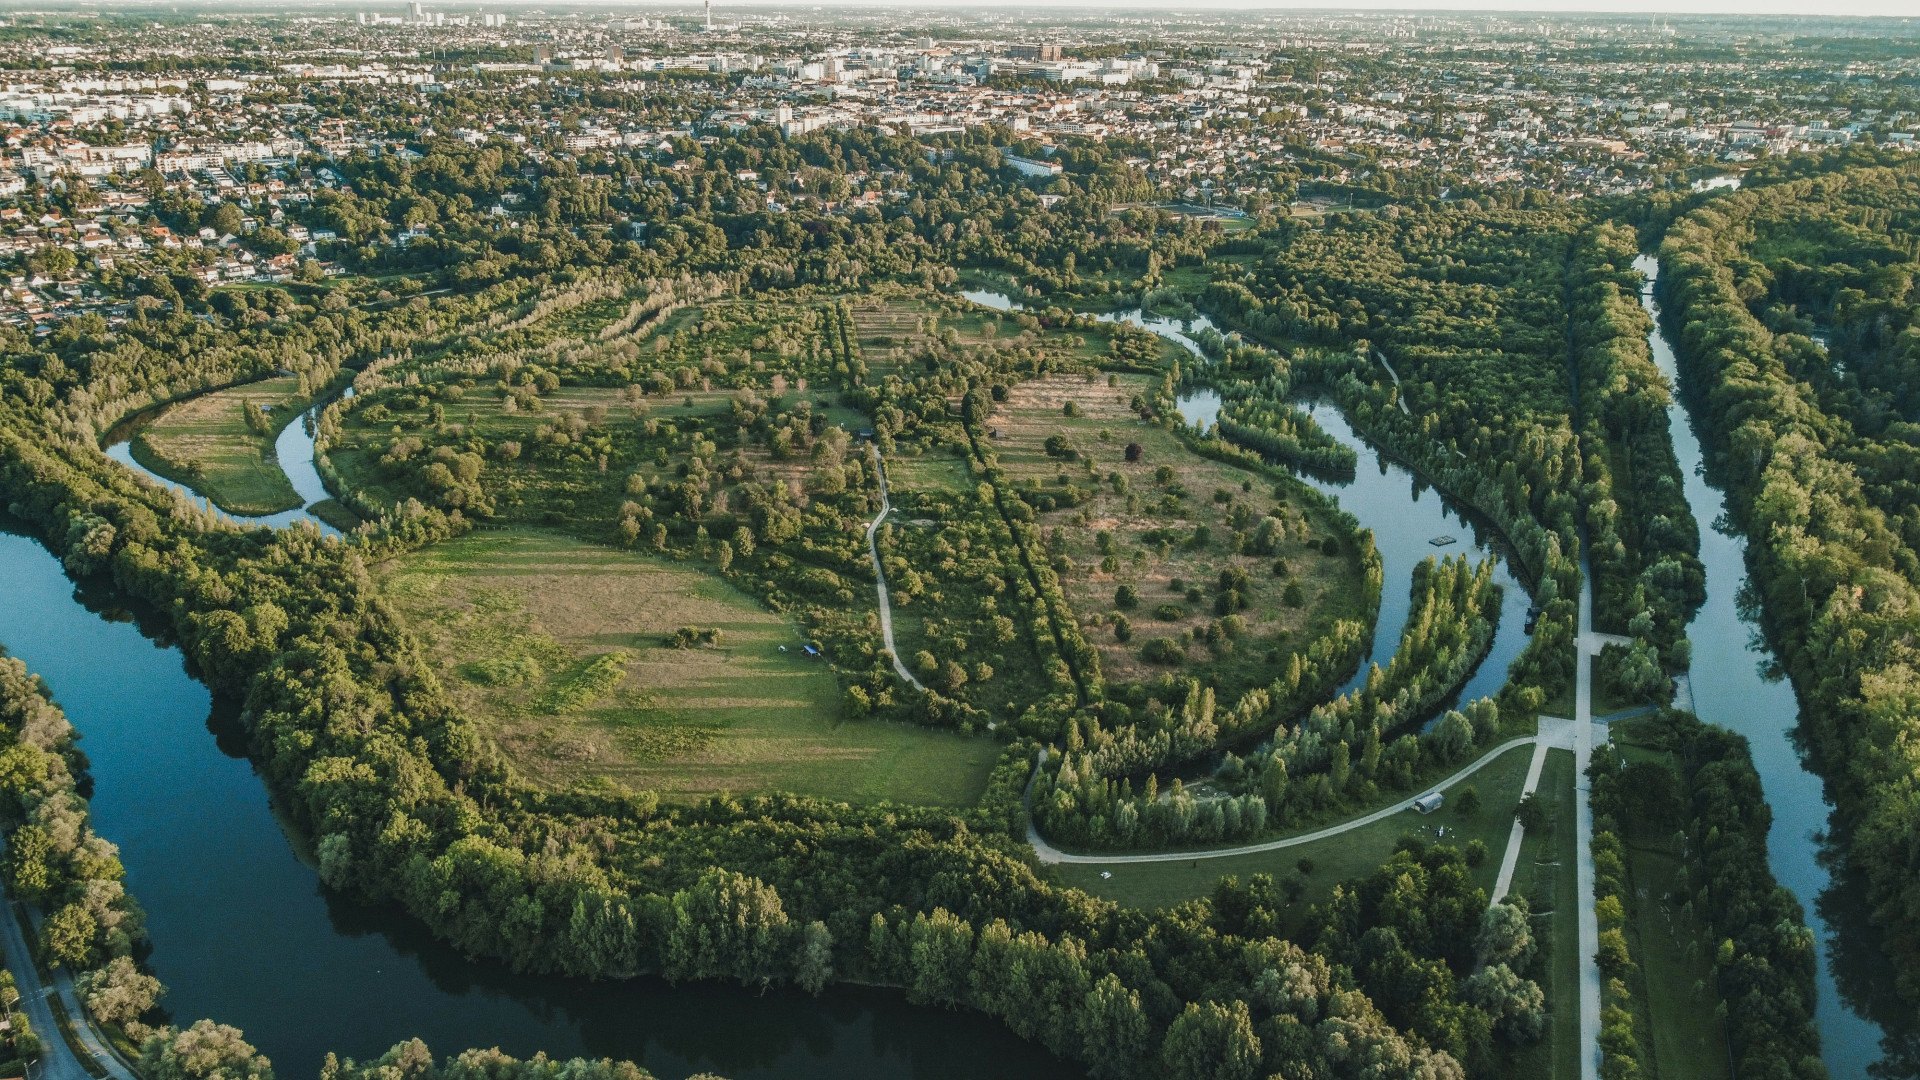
(1443,541)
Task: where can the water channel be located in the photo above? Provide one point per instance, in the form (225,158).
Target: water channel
(244,931)
(292,449)
(1729,688)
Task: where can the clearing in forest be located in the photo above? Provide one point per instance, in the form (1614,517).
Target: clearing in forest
(564,650)
(210,443)
(1125,505)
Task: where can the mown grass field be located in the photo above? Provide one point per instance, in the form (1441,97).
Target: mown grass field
(1351,854)
(206,442)
(1674,949)
(560,648)
(1546,877)
(1151,526)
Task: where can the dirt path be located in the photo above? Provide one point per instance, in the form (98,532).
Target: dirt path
(880,575)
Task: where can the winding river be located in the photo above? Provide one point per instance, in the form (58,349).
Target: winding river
(1729,688)
(245,933)
(292,449)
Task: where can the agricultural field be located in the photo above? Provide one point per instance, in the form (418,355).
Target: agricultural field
(568,653)
(1315,868)
(1158,547)
(221,443)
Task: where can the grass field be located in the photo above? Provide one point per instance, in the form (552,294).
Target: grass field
(1170,493)
(1335,859)
(207,443)
(1546,877)
(560,648)
(1672,947)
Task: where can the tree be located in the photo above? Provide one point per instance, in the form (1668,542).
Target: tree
(1212,1042)
(727,925)
(1115,1028)
(66,937)
(1466,801)
(1518,1006)
(1532,812)
(939,949)
(813,965)
(118,992)
(205,1051)
(1505,935)
(226,219)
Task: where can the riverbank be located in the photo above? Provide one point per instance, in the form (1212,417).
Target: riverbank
(245,931)
(1729,689)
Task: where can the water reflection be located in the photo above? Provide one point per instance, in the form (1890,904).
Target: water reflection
(244,931)
(1734,682)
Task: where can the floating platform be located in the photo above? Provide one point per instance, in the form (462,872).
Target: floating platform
(1443,541)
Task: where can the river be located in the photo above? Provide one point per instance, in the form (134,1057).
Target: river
(245,933)
(1729,688)
(292,449)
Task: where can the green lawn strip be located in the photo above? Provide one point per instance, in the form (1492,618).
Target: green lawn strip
(64,1022)
(1689,1036)
(1635,1001)
(1335,859)
(1546,876)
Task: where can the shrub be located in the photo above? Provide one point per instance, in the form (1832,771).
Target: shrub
(1170,612)
(1163,651)
(1126,597)
(1466,802)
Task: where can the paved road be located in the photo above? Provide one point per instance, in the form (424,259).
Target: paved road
(57,1061)
(880,575)
(1395,376)
(1588,644)
(1555,733)
(1050,854)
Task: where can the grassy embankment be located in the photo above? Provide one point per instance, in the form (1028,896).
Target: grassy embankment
(560,647)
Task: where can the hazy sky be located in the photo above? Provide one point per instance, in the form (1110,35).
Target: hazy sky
(1909,9)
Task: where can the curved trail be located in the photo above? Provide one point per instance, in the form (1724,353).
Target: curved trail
(1050,854)
(880,575)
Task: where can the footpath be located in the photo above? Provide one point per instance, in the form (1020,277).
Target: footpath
(59,1060)
(880,576)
